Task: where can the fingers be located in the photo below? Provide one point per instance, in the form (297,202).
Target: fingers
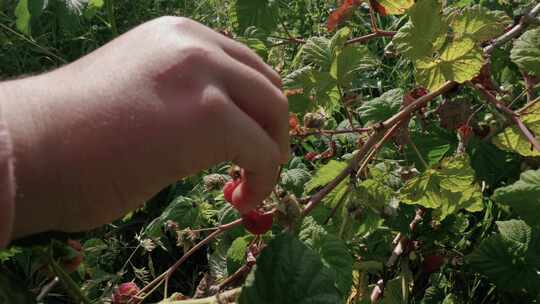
(241,53)
(256,96)
(249,146)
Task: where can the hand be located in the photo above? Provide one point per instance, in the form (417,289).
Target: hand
(97,138)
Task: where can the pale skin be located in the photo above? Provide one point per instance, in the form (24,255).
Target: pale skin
(100,136)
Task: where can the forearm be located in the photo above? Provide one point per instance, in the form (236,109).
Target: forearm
(25,106)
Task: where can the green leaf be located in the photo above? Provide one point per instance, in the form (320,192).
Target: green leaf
(325,174)
(511,138)
(458,61)
(262,14)
(8,253)
(393,292)
(290,272)
(236,255)
(396,7)
(26,11)
(526,52)
(350,61)
(523,196)
(317,51)
(446,188)
(491,164)
(333,251)
(509,259)
(433,145)
(182,210)
(294,180)
(424,33)
(382,107)
(340,191)
(256,45)
(93,7)
(479,23)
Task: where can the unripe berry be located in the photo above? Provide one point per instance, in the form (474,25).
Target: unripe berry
(314,120)
(257,222)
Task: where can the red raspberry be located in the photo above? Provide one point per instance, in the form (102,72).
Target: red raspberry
(432,263)
(123,293)
(228,189)
(257,222)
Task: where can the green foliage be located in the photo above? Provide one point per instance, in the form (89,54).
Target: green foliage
(523,196)
(511,258)
(446,188)
(290,272)
(526,52)
(382,107)
(512,139)
(477,205)
(325,174)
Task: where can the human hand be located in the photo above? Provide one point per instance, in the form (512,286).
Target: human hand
(98,137)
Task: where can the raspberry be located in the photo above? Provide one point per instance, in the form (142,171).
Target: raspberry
(257,222)
(123,293)
(228,189)
(432,263)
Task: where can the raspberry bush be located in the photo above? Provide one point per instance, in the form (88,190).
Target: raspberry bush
(414,176)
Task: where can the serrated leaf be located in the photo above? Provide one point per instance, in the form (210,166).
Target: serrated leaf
(511,138)
(425,33)
(516,231)
(459,61)
(288,271)
(433,145)
(325,174)
(337,42)
(317,51)
(349,61)
(338,194)
(446,188)
(509,259)
(236,254)
(333,251)
(523,196)
(382,107)
(479,23)
(262,14)
(491,164)
(294,180)
(182,210)
(396,7)
(526,52)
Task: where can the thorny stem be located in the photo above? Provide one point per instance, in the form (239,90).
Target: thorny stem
(164,277)
(515,31)
(335,132)
(513,116)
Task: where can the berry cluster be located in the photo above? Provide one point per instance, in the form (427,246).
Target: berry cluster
(254,221)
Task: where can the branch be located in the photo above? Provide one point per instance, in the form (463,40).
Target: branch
(164,277)
(367,37)
(511,115)
(227,297)
(380,130)
(515,31)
